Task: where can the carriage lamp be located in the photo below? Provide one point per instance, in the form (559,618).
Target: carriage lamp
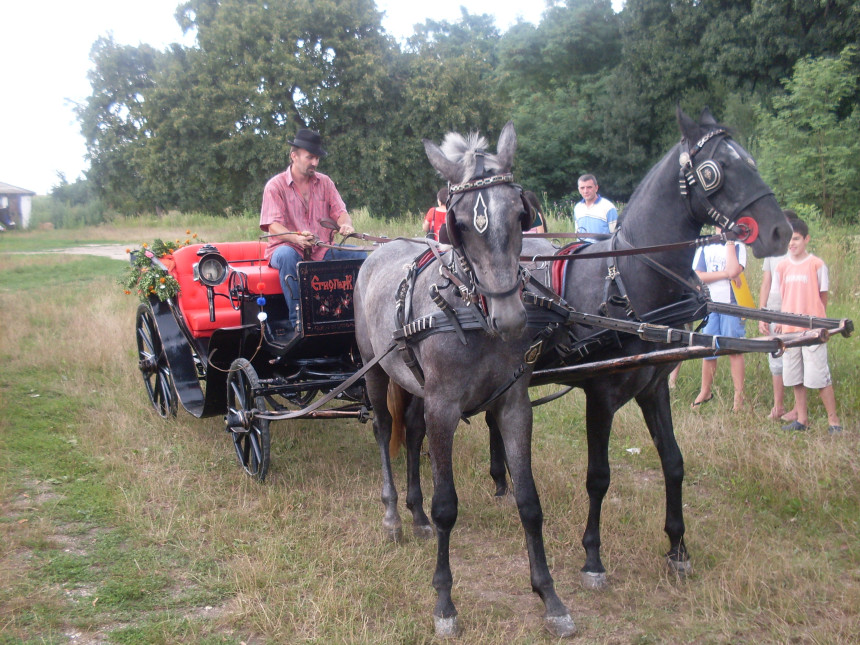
(211,270)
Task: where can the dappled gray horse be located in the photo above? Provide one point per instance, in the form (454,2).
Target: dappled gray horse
(458,321)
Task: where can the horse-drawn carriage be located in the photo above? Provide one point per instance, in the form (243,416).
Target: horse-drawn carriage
(224,345)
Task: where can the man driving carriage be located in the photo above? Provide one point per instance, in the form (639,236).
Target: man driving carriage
(294,204)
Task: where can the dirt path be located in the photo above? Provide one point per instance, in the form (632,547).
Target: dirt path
(112,251)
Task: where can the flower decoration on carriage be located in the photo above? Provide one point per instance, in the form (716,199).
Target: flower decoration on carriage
(148,276)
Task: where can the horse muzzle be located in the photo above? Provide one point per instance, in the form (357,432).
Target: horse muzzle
(507,317)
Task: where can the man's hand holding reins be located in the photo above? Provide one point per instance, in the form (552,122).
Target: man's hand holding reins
(302,239)
(344,223)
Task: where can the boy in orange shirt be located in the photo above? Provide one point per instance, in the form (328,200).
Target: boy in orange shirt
(803,284)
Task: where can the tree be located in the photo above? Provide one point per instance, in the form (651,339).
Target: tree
(263,69)
(578,39)
(446,84)
(112,121)
(808,147)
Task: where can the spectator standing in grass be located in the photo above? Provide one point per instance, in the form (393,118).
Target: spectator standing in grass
(770,298)
(803,284)
(717,265)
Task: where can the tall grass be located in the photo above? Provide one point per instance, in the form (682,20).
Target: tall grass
(120,527)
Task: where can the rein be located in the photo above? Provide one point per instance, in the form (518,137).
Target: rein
(641,250)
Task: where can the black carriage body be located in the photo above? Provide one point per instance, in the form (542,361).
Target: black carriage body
(316,356)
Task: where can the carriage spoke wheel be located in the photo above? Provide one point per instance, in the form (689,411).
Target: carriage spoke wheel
(153,364)
(250,433)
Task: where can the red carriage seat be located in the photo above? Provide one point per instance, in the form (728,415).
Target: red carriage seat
(243,257)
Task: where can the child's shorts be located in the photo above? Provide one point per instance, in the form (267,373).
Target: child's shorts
(775,364)
(806,366)
(724,325)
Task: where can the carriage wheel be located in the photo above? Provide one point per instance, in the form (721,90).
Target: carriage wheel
(250,434)
(153,364)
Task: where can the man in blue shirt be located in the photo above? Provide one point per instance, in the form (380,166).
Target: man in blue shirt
(593,214)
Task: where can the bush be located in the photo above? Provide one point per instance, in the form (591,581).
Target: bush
(67,215)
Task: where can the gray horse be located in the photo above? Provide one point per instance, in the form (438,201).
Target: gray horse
(473,293)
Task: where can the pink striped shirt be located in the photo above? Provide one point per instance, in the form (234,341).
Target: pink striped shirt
(283,203)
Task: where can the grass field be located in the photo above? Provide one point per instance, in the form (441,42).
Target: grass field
(119,527)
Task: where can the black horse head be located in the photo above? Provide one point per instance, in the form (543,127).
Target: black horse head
(722,186)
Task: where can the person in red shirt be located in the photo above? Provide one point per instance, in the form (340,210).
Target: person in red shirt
(435,217)
(803,285)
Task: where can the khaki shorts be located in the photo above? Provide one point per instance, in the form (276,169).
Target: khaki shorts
(806,366)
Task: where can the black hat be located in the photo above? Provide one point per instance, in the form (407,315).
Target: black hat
(309,140)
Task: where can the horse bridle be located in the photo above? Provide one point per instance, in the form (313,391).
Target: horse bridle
(698,182)
(480,221)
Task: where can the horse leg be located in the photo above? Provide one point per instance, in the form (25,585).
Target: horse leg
(376,383)
(657,411)
(415,431)
(441,420)
(498,462)
(514,415)
(598,423)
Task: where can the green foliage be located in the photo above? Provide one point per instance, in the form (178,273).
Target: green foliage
(808,142)
(203,128)
(75,194)
(113,124)
(60,214)
(146,278)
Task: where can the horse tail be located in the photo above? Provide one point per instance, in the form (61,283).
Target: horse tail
(397,407)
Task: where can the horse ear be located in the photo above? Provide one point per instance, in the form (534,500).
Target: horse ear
(507,146)
(707,118)
(689,128)
(447,168)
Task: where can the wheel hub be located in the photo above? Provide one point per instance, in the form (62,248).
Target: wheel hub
(238,420)
(148,365)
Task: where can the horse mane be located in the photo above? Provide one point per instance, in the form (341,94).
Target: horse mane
(462,150)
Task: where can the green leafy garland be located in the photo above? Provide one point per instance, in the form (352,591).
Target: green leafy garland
(144,278)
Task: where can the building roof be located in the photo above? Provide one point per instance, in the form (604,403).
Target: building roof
(9,189)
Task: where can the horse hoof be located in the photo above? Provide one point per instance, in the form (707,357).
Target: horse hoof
(423,531)
(507,499)
(393,533)
(681,568)
(593,581)
(560,626)
(447,627)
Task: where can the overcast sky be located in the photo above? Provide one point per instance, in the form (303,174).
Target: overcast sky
(44,57)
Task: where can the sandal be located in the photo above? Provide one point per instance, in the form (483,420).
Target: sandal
(795,426)
(696,404)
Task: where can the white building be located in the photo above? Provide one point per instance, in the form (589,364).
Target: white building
(15,205)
